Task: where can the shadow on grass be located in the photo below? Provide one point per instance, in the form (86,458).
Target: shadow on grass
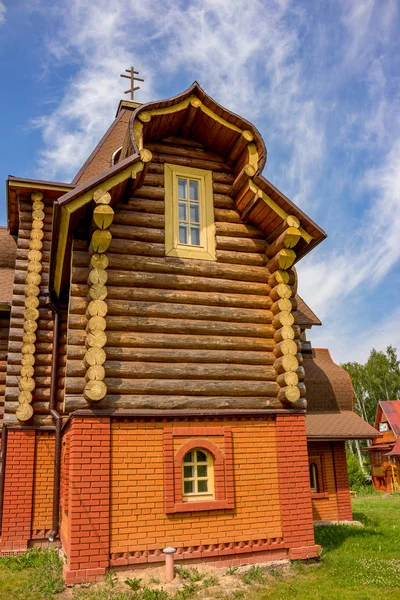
(366,520)
(334,536)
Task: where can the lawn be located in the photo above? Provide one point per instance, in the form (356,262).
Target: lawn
(357,563)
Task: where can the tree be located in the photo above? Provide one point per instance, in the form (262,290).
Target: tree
(378,379)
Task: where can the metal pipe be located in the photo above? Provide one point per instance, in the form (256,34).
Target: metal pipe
(4,438)
(58,423)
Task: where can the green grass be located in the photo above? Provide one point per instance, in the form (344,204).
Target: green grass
(357,564)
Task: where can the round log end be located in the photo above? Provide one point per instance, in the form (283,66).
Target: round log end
(95,391)
(195,102)
(24,412)
(37,196)
(145,117)
(145,155)
(247,135)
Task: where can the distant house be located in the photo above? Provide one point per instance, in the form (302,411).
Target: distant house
(385,451)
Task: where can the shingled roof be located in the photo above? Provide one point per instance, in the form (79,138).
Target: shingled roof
(330,394)
(391,409)
(8,249)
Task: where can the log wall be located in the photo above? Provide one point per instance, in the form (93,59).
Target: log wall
(4,331)
(44,333)
(180,332)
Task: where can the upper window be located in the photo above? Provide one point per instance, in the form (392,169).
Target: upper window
(198,476)
(189,213)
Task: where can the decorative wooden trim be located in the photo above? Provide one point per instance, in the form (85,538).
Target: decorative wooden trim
(96,339)
(68,210)
(203,551)
(223,468)
(281,257)
(33,280)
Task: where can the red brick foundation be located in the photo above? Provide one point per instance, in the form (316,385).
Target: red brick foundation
(18,491)
(88,500)
(342,482)
(294,487)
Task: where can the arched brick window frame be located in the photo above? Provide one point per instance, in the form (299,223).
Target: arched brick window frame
(223,468)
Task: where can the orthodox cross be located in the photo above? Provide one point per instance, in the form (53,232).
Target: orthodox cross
(132,77)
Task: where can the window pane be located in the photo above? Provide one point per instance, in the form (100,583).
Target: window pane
(187,472)
(188,487)
(183,234)
(194,212)
(188,457)
(182,188)
(183,212)
(195,235)
(202,485)
(201,457)
(194,190)
(202,471)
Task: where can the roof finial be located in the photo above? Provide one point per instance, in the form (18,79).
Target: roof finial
(132,77)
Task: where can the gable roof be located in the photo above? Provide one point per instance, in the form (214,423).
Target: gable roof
(306,317)
(330,395)
(233,137)
(391,409)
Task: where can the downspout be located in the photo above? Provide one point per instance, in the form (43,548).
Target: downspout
(58,423)
(3,471)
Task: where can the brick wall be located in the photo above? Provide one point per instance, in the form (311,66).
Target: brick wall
(325,508)
(138,519)
(342,482)
(43,484)
(88,500)
(294,485)
(18,490)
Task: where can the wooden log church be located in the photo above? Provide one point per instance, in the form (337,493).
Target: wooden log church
(157,387)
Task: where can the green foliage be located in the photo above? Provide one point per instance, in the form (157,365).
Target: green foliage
(46,566)
(231,570)
(378,379)
(148,594)
(192,574)
(254,575)
(133,584)
(154,580)
(186,592)
(357,479)
(210,581)
(110,578)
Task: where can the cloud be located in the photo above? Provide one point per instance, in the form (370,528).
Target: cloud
(247,57)
(2,12)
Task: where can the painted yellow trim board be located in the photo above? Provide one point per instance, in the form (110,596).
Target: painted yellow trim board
(69,209)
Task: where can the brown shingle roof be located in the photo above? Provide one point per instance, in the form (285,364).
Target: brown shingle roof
(338,425)
(305,315)
(8,249)
(391,409)
(330,400)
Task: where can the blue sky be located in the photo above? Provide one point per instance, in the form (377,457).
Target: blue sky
(320,80)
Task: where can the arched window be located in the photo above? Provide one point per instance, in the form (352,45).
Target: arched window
(198,475)
(314,478)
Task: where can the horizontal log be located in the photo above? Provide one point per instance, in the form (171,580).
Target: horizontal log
(197,268)
(222,200)
(127,339)
(179,326)
(138,219)
(179,296)
(150,192)
(119,246)
(155,370)
(174,311)
(223,215)
(240,244)
(37,420)
(287,239)
(171,281)
(191,355)
(179,387)
(240,258)
(197,163)
(153,207)
(76,402)
(238,230)
(183,150)
(142,234)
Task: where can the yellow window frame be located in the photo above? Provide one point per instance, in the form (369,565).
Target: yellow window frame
(197,496)
(206,249)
